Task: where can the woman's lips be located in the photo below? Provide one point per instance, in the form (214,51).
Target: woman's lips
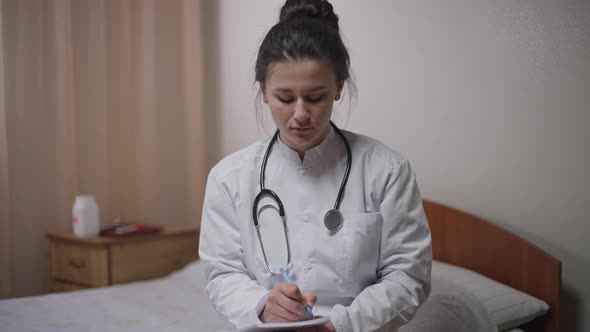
(301,130)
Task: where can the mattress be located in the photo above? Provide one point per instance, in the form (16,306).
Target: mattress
(179,303)
(176,303)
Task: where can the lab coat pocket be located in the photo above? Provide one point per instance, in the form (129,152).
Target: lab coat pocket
(360,239)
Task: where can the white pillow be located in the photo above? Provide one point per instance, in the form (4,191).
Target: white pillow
(508,307)
(450,308)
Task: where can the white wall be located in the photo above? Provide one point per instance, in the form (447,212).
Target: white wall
(490,102)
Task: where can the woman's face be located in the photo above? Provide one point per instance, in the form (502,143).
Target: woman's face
(300,96)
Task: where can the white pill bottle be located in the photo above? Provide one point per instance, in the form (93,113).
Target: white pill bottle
(85,216)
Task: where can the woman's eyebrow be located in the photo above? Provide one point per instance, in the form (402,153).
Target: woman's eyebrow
(282,90)
(315,88)
(310,89)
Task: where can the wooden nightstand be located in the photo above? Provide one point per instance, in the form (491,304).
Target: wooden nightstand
(78,263)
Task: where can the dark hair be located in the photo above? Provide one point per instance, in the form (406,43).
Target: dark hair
(307,29)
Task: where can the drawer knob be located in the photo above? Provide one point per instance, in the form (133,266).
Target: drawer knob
(77,263)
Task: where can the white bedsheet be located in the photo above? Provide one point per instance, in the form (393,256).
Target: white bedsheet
(176,303)
(179,303)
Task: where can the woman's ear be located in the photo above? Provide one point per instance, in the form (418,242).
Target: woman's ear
(339,91)
(263,88)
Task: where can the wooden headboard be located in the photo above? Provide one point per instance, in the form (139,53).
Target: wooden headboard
(465,240)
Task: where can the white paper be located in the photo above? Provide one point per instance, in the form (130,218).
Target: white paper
(286,326)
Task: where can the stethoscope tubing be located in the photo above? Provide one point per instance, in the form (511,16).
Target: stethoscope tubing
(346,171)
(267,192)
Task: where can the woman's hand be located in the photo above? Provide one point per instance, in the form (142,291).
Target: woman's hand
(286,303)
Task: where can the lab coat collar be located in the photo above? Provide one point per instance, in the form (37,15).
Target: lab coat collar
(321,150)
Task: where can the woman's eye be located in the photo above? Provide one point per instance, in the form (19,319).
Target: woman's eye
(309,99)
(285,100)
(315,100)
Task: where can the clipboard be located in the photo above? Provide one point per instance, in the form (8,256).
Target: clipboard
(318,321)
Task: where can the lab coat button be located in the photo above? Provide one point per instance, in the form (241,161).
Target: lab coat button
(308,266)
(306,219)
(301,171)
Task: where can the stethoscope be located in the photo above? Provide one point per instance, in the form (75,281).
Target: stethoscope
(333,219)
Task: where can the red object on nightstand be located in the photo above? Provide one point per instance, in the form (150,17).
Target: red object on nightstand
(128,228)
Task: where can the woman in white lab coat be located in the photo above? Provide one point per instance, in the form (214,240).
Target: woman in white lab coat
(371,272)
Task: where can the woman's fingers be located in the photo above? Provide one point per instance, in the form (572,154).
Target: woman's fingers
(292,301)
(309,299)
(276,313)
(290,290)
(286,303)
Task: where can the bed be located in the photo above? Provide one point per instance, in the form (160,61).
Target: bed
(467,241)
(484,279)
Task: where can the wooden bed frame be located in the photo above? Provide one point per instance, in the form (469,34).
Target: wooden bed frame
(468,241)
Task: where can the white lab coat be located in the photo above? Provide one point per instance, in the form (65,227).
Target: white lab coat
(373,274)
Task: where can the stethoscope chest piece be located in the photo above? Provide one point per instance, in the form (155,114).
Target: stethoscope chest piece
(333,220)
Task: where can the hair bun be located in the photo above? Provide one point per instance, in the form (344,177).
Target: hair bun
(317,9)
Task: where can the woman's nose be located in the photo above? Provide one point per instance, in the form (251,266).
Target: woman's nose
(301,112)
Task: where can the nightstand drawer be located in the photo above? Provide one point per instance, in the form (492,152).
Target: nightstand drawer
(80,264)
(145,260)
(60,286)
(102,261)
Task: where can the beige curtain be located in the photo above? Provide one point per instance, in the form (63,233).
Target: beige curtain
(96,97)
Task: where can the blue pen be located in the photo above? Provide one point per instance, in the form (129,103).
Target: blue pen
(287,279)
